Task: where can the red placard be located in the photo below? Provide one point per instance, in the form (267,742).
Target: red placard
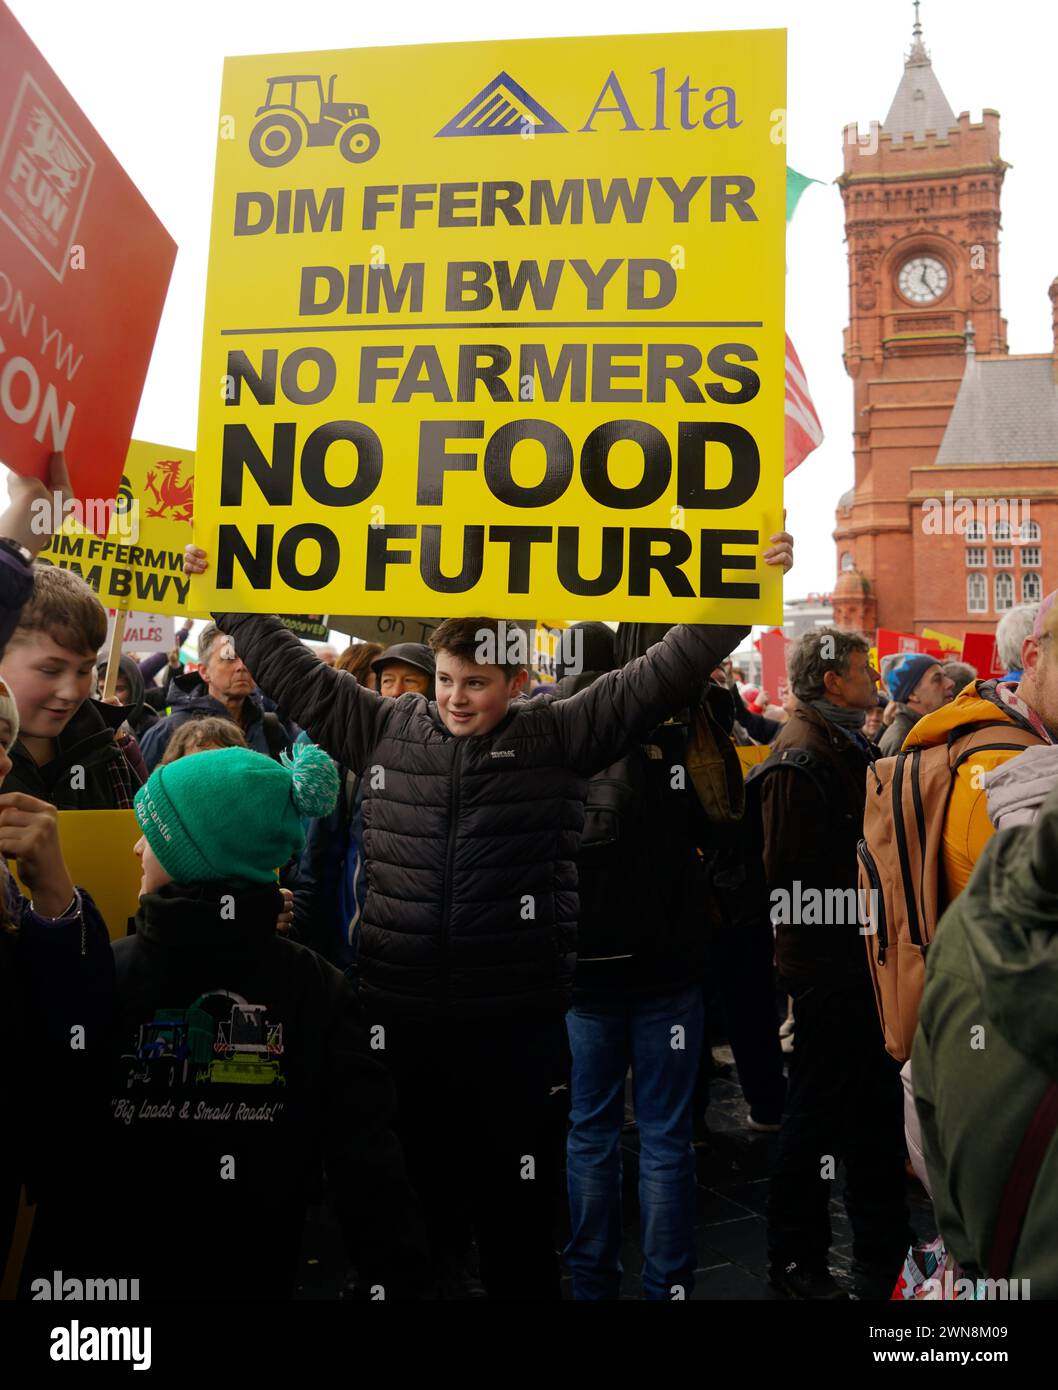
(979,649)
(84,268)
(890,642)
(773,677)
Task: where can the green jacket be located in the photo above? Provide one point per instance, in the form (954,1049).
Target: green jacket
(987,1047)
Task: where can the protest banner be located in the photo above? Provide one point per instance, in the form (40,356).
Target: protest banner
(112,878)
(141,557)
(84,269)
(773,677)
(144,632)
(891,642)
(313,627)
(385,629)
(750,755)
(979,650)
(515,346)
(949,644)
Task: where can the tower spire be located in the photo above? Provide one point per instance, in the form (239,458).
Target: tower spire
(919,104)
(918,57)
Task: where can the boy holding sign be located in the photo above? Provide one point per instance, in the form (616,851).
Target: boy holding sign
(473,807)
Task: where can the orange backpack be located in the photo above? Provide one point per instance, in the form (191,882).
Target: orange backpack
(900,866)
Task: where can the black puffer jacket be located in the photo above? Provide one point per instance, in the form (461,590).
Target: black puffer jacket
(471,841)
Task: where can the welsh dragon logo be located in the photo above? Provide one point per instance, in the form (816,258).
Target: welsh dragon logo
(174,498)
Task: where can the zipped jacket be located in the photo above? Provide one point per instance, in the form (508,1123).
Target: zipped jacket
(471,842)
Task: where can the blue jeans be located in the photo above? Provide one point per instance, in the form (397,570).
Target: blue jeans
(607,1037)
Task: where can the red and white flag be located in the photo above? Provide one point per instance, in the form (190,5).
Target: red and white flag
(803,430)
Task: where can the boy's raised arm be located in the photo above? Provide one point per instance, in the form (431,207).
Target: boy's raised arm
(338,713)
(598,724)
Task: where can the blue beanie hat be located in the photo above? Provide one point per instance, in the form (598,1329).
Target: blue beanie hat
(904,675)
(230,813)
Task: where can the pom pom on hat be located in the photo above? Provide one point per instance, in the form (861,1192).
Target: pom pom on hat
(314,779)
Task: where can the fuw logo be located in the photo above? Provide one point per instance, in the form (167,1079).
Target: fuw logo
(45,173)
(503,107)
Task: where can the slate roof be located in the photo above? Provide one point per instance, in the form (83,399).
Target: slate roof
(1006,412)
(919,104)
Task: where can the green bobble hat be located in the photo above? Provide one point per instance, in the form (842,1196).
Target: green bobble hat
(230,813)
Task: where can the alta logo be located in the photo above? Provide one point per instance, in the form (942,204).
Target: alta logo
(45,173)
(503,107)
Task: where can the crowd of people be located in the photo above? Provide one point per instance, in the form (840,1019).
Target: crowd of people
(411,932)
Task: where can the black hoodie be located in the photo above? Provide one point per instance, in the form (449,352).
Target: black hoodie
(138,715)
(239,1064)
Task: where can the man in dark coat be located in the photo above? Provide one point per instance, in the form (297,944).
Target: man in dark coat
(845,1100)
(223,687)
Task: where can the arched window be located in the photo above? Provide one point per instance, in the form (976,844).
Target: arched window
(1001,531)
(1004,592)
(975,531)
(1030,530)
(847,562)
(1031,587)
(976,594)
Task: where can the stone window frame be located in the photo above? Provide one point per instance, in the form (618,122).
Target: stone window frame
(1007,582)
(1031,587)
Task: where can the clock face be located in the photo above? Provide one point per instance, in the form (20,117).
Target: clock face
(923,279)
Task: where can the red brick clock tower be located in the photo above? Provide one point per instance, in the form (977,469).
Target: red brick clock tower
(921,195)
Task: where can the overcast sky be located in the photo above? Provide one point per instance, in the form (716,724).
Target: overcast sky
(148,76)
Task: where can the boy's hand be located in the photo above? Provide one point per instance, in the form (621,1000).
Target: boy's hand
(29,834)
(285,920)
(195,561)
(32,526)
(781,551)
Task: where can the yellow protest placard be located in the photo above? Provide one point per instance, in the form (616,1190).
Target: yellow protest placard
(98,849)
(750,755)
(948,640)
(135,558)
(498,328)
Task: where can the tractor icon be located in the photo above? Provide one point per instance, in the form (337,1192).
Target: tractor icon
(285,122)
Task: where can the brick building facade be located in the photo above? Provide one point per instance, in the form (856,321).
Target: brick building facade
(943,413)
